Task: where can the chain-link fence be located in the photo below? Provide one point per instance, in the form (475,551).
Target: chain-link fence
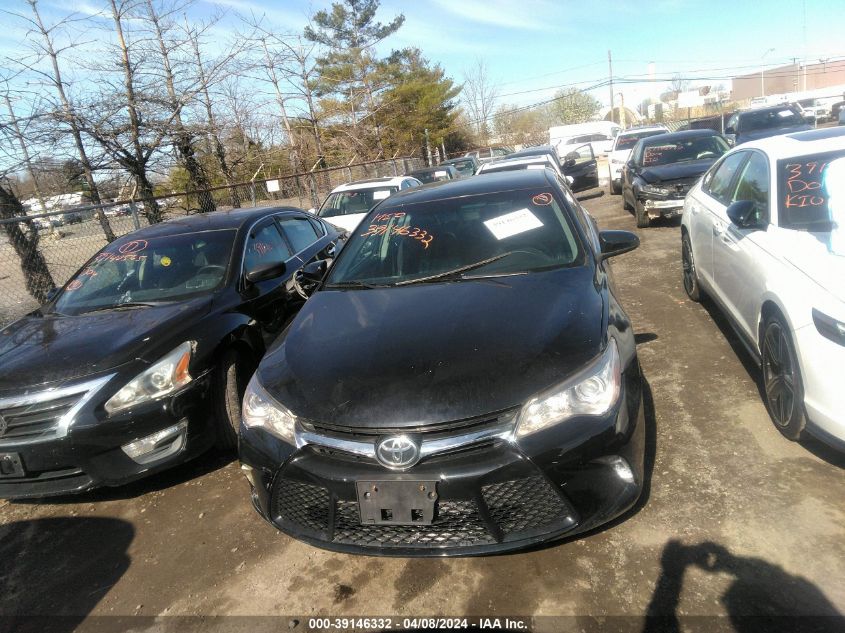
(62,241)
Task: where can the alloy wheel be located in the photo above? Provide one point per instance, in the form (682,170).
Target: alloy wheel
(778,374)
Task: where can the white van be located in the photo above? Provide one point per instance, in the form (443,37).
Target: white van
(599,134)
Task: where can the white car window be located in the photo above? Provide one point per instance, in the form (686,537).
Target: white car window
(753,184)
(720,182)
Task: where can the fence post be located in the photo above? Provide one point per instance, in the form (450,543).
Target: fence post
(252,188)
(393,162)
(405,164)
(315,196)
(134,211)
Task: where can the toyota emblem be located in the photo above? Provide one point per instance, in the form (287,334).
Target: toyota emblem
(398,451)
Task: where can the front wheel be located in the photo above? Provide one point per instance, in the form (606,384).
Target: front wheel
(230,379)
(643,220)
(782,379)
(615,189)
(691,285)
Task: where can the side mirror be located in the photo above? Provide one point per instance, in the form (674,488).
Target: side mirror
(742,213)
(617,242)
(270,270)
(315,271)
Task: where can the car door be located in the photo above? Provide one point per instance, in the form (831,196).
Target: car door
(309,242)
(265,301)
(707,211)
(581,165)
(739,253)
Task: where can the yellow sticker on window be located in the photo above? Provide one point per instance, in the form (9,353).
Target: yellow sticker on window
(165,261)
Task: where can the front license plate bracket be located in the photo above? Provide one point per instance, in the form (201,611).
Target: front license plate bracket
(10,465)
(395,502)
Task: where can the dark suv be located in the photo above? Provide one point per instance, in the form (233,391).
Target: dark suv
(750,125)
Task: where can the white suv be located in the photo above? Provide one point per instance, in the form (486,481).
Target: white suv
(620,151)
(763,234)
(347,204)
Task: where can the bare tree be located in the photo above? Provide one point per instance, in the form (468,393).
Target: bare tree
(65,113)
(480,97)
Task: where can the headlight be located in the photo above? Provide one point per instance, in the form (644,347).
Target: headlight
(660,191)
(260,410)
(593,391)
(164,377)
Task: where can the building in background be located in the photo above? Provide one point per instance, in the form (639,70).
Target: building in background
(823,79)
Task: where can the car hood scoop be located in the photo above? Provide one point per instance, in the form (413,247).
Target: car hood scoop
(36,350)
(431,353)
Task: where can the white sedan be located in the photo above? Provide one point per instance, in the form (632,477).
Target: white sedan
(347,204)
(763,234)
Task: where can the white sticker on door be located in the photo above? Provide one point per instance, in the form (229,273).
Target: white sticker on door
(513,224)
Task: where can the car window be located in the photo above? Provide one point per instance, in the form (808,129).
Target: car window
(806,189)
(299,231)
(265,244)
(410,241)
(753,184)
(768,119)
(136,270)
(720,183)
(351,202)
(656,153)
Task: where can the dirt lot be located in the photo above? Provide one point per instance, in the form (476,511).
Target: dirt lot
(737,520)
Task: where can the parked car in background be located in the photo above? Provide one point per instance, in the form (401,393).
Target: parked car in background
(663,168)
(500,403)
(484,154)
(434,174)
(757,123)
(842,116)
(579,164)
(836,110)
(347,204)
(621,151)
(599,133)
(601,144)
(139,362)
(762,235)
(816,108)
(466,166)
(516,164)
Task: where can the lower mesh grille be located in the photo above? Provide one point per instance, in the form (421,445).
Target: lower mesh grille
(456,524)
(305,504)
(523,504)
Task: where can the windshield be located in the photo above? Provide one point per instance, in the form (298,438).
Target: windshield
(768,119)
(696,148)
(399,244)
(349,202)
(627,141)
(464,167)
(811,196)
(133,271)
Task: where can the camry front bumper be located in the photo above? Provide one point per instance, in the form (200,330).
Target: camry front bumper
(663,207)
(493,496)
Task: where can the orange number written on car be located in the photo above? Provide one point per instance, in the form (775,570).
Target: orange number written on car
(405,231)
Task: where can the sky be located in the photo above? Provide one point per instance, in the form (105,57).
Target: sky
(534,47)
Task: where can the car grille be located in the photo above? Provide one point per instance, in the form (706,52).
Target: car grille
(429,431)
(37,421)
(514,509)
(680,188)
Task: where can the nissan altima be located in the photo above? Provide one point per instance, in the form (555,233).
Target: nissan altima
(464,380)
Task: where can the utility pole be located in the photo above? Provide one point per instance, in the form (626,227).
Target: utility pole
(610,72)
(427,148)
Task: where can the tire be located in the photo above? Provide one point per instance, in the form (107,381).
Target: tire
(643,220)
(625,204)
(690,275)
(615,190)
(782,383)
(230,379)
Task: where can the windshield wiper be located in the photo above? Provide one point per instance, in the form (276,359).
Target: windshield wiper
(352,284)
(454,273)
(123,306)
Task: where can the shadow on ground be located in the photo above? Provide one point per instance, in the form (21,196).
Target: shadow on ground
(59,569)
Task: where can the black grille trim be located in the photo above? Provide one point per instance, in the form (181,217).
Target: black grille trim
(304,504)
(39,420)
(524,504)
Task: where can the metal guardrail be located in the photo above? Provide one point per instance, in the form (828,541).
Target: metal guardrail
(67,238)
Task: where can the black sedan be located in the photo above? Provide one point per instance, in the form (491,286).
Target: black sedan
(438,173)
(464,381)
(466,166)
(579,164)
(662,169)
(140,360)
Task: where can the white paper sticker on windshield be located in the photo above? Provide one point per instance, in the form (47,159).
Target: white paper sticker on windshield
(513,224)
(438,174)
(785,113)
(380,195)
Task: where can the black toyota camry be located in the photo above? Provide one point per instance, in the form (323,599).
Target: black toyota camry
(139,361)
(464,381)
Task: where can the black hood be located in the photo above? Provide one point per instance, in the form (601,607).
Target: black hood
(432,353)
(754,135)
(44,349)
(676,171)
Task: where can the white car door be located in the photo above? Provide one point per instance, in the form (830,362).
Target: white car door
(707,210)
(739,253)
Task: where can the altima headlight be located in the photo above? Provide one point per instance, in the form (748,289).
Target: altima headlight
(593,391)
(653,189)
(163,378)
(261,410)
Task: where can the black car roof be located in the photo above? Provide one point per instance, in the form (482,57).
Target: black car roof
(231,219)
(671,137)
(481,184)
(773,108)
